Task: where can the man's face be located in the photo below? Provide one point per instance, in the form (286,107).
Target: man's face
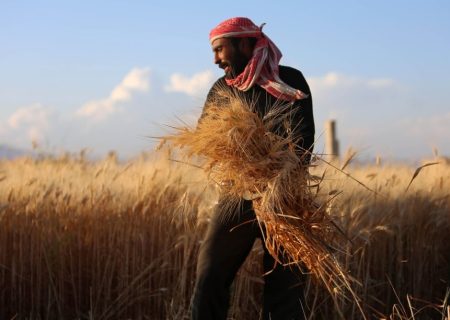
(228,57)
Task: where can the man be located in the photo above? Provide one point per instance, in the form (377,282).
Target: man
(250,62)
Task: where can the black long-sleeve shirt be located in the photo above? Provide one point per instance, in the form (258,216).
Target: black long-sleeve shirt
(301,112)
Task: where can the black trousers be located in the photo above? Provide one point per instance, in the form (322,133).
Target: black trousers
(229,239)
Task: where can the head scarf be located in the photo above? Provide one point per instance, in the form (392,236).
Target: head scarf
(262,67)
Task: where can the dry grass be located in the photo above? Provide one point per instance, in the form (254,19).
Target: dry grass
(400,236)
(105,240)
(242,153)
(97,241)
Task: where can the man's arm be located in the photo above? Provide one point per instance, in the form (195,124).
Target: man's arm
(302,118)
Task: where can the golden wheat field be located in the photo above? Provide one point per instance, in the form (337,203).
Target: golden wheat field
(110,240)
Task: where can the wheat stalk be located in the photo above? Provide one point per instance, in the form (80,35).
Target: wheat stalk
(242,154)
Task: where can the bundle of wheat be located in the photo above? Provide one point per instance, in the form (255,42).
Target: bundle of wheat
(244,155)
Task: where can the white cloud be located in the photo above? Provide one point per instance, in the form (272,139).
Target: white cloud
(375,115)
(197,85)
(137,80)
(331,79)
(365,109)
(379,116)
(34,120)
(352,99)
(334,80)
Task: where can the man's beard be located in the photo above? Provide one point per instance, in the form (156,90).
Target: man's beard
(237,66)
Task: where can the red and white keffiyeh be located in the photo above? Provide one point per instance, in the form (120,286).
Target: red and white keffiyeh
(262,68)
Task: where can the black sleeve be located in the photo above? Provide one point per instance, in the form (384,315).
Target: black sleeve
(302,119)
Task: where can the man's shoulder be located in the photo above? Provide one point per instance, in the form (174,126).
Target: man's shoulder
(217,89)
(219,83)
(289,71)
(294,78)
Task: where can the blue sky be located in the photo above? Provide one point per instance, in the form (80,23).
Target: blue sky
(107,74)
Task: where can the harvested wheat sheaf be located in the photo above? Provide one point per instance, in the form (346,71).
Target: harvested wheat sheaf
(242,153)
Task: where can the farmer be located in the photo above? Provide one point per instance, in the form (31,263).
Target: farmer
(250,62)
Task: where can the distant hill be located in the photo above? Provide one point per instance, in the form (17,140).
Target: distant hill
(7,152)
